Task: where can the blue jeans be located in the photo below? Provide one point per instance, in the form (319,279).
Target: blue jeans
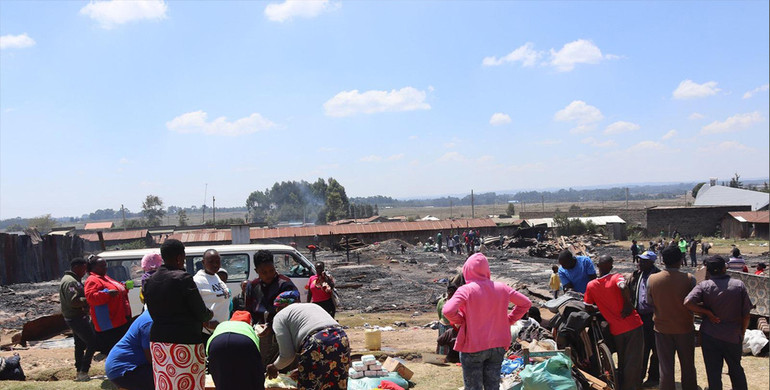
(481,370)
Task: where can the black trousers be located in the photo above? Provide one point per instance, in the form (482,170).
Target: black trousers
(650,351)
(715,353)
(139,378)
(85,342)
(235,363)
(108,338)
(328,305)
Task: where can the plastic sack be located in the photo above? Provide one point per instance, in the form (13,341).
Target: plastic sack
(552,374)
(509,366)
(753,341)
(373,383)
(280,382)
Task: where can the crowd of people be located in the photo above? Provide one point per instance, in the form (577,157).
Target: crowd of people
(650,315)
(189,325)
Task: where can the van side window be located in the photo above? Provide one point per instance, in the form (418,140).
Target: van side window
(123,270)
(237,265)
(286,264)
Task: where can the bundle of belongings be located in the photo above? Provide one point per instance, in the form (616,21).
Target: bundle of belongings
(10,368)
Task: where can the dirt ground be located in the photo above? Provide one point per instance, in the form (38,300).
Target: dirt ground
(379,286)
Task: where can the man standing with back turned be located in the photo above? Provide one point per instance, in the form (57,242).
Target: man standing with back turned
(75,311)
(674,330)
(726,305)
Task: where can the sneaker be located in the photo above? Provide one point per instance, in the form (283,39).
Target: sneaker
(82,377)
(99,357)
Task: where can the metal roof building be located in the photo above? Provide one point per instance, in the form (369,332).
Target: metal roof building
(728,196)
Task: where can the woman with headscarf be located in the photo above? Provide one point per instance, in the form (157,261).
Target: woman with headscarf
(480,309)
(178,314)
(233,352)
(109,307)
(306,331)
(150,263)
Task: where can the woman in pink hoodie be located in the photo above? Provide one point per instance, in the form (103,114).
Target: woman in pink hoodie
(480,309)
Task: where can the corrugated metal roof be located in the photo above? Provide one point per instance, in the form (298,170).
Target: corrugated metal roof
(99,225)
(728,196)
(325,230)
(116,236)
(751,216)
(598,221)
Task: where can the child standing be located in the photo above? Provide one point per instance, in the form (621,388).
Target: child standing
(555,282)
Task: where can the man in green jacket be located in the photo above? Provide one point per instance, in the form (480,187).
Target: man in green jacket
(74,308)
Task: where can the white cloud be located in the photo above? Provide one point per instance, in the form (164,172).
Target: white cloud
(584,115)
(326,149)
(549,142)
(595,143)
(413,137)
(733,123)
(371,158)
(20,41)
(196,122)
(451,157)
(671,134)
(762,88)
(726,146)
(450,145)
(621,127)
(124,160)
(524,54)
(116,12)
(485,158)
(396,157)
(347,103)
(695,116)
(646,145)
(289,9)
(499,119)
(689,89)
(578,52)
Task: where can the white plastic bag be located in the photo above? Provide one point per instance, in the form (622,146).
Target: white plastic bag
(753,341)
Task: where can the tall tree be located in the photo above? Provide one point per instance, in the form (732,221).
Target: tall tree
(735,182)
(152,208)
(697,188)
(337,203)
(44,223)
(182,217)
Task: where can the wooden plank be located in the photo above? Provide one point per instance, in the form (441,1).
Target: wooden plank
(596,383)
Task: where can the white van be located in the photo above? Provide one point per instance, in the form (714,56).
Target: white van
(238,260)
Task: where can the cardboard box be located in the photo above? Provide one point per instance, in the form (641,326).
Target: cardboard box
(397,365)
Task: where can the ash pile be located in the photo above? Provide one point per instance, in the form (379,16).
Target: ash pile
(23,302)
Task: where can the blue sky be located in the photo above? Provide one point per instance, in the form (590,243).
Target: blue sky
(102,103)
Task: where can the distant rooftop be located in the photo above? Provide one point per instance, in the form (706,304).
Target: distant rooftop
(728,196)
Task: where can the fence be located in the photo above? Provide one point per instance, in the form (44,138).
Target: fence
(30,259)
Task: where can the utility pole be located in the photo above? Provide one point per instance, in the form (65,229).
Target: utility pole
(205,192)
(214,208)
(123,210)
(450,208)
(473,210)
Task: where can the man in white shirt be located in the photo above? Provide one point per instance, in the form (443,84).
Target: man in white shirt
(213,290)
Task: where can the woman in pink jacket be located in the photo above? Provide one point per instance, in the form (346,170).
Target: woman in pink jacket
(480,308)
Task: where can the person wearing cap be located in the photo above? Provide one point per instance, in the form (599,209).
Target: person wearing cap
(213,290)
(736,262)
(637,285)
(674,330)
(233,352)
(305,331)
(726,305)
(575,271)
(760,269)
(611,296)
(74,309)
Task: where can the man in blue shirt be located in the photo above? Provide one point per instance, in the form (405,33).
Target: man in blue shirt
(129,365)
(575,272)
